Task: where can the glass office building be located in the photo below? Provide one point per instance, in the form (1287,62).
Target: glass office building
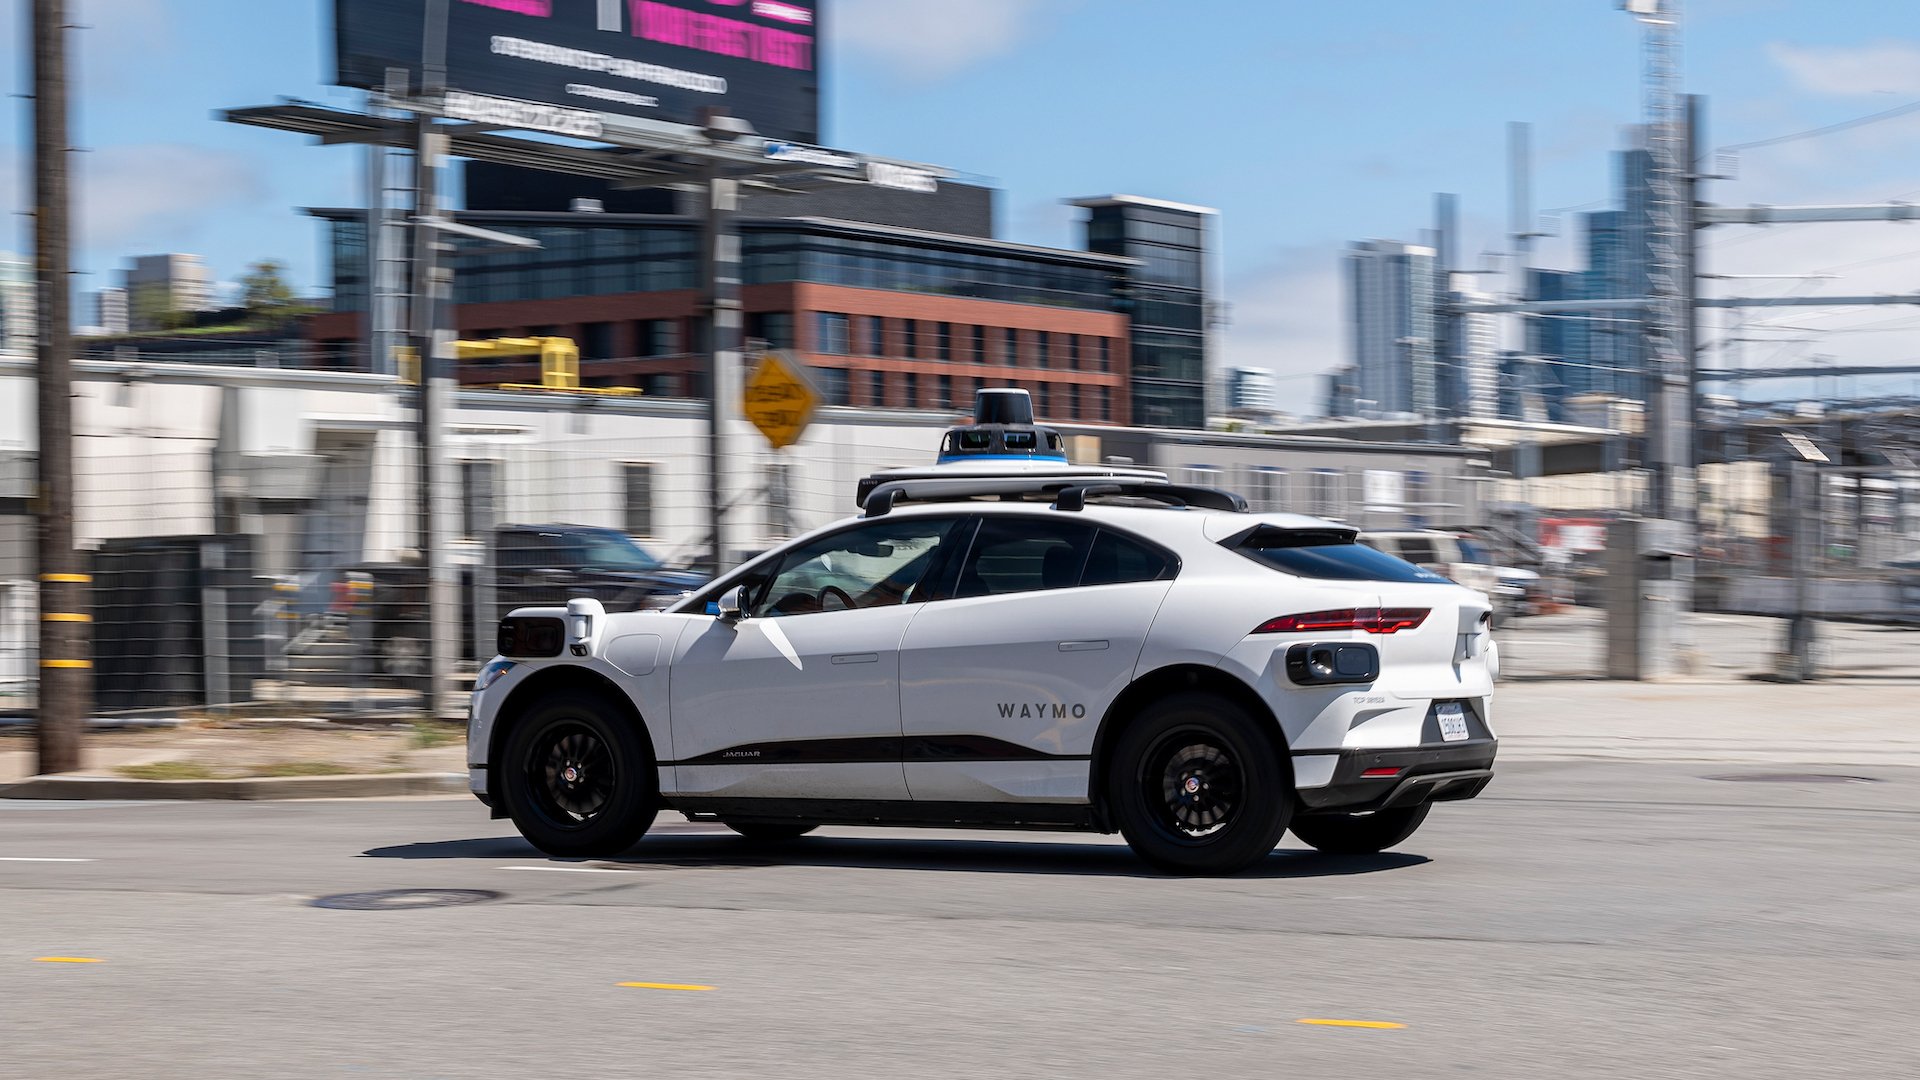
(1169,294)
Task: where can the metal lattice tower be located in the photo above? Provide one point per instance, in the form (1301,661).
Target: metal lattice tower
(1667,317)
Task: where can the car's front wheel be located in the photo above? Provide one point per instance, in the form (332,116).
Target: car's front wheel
(578,778)
(1197,786)
(1359,834)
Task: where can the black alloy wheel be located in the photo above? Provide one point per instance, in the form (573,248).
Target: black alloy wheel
(577,777)
(1199,786)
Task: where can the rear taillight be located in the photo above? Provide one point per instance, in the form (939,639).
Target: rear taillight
(1371,620)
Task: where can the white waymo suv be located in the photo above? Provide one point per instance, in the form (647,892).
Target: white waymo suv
(1064,650)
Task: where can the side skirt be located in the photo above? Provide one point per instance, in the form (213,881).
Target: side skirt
(939,815)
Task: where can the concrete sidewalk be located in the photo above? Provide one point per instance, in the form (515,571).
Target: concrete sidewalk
(1826,723)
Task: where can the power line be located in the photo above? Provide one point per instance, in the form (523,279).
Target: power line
(1858,121)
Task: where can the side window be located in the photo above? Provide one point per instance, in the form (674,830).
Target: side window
(871,565)
(1024,554)
(1118,559)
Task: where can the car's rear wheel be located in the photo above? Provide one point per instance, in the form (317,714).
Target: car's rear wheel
(1359,834)
(578,777)
(769,832)
(1197,786)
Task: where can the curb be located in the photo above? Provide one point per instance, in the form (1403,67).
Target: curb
(259,788)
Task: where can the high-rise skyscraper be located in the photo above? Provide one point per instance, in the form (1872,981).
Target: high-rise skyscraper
(110,311)
(1172,346)
(161,284)
(1393,296)
(1250,390)
(1472,366)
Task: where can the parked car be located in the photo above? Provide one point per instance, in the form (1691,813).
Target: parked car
(1513,590)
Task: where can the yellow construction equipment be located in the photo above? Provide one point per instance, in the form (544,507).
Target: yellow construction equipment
(559,363)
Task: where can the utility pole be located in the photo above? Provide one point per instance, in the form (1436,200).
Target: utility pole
(66,665)
(433,344)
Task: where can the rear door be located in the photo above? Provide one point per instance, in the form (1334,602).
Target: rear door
(1004,681)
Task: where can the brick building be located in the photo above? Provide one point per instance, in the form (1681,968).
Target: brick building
(887,315)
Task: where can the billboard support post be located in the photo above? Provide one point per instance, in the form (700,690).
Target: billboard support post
(433,343)
(721,251)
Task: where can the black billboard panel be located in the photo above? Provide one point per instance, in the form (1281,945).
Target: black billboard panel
(658,59)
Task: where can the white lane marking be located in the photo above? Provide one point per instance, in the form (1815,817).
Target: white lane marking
(570,869)
(21,859)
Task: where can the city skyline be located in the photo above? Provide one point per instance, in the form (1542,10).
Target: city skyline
(906,79)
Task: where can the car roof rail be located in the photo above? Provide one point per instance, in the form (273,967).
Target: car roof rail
(1067,493)
(1177,495)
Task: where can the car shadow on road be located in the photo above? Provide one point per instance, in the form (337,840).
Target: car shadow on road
(1011,856)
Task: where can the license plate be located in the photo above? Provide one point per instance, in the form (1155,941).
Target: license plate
(1453,721)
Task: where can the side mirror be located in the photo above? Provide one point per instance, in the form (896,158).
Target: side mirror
(733,604)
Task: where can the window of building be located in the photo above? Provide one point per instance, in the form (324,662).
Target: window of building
(478,499)
(946,392)
(1324,493)
(1043,402)
(1267,489)
(833,384)
(1073,352)
(657,337)
(943,341)
(876,388)
(1106,403)
(979,345)
(832,333)
(913,390)
(876,336)
(1010,346)
(596,341)
(1024,554)
(773,327)
(909,338)
(1043,354)
(1419,498)
(1106,354)
(637,489)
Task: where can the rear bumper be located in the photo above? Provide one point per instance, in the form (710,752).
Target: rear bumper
(1424,774)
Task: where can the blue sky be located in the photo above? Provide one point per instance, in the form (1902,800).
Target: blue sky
(1306,124)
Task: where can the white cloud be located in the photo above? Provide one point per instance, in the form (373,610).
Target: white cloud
(1287,317)
(1883,67)
(156,195)
(927,40)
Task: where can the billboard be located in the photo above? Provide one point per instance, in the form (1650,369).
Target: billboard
(557,65)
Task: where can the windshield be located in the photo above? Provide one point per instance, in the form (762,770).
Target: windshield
(1471,551)
(615,551)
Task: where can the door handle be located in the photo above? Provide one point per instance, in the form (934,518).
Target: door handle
(1082,646)
(857,658)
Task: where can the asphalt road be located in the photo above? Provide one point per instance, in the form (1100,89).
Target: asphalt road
(1581,919)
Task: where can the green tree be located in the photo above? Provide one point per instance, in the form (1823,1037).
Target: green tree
(152,309)
(267,296)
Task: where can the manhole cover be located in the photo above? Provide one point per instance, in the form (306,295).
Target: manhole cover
(402,899)
(1793,778)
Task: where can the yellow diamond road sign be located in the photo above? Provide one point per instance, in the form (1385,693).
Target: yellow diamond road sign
(779,399)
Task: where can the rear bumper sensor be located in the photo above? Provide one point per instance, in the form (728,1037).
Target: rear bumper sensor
(1390,779)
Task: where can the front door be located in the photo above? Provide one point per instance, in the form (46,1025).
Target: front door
(800,699)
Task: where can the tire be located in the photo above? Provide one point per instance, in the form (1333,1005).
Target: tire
(1197,786)
(769,832)
(612,799)
(1359,834)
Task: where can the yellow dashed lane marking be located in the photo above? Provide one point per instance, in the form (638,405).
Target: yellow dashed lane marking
(665,986)
(67,960)
(1380,1024)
